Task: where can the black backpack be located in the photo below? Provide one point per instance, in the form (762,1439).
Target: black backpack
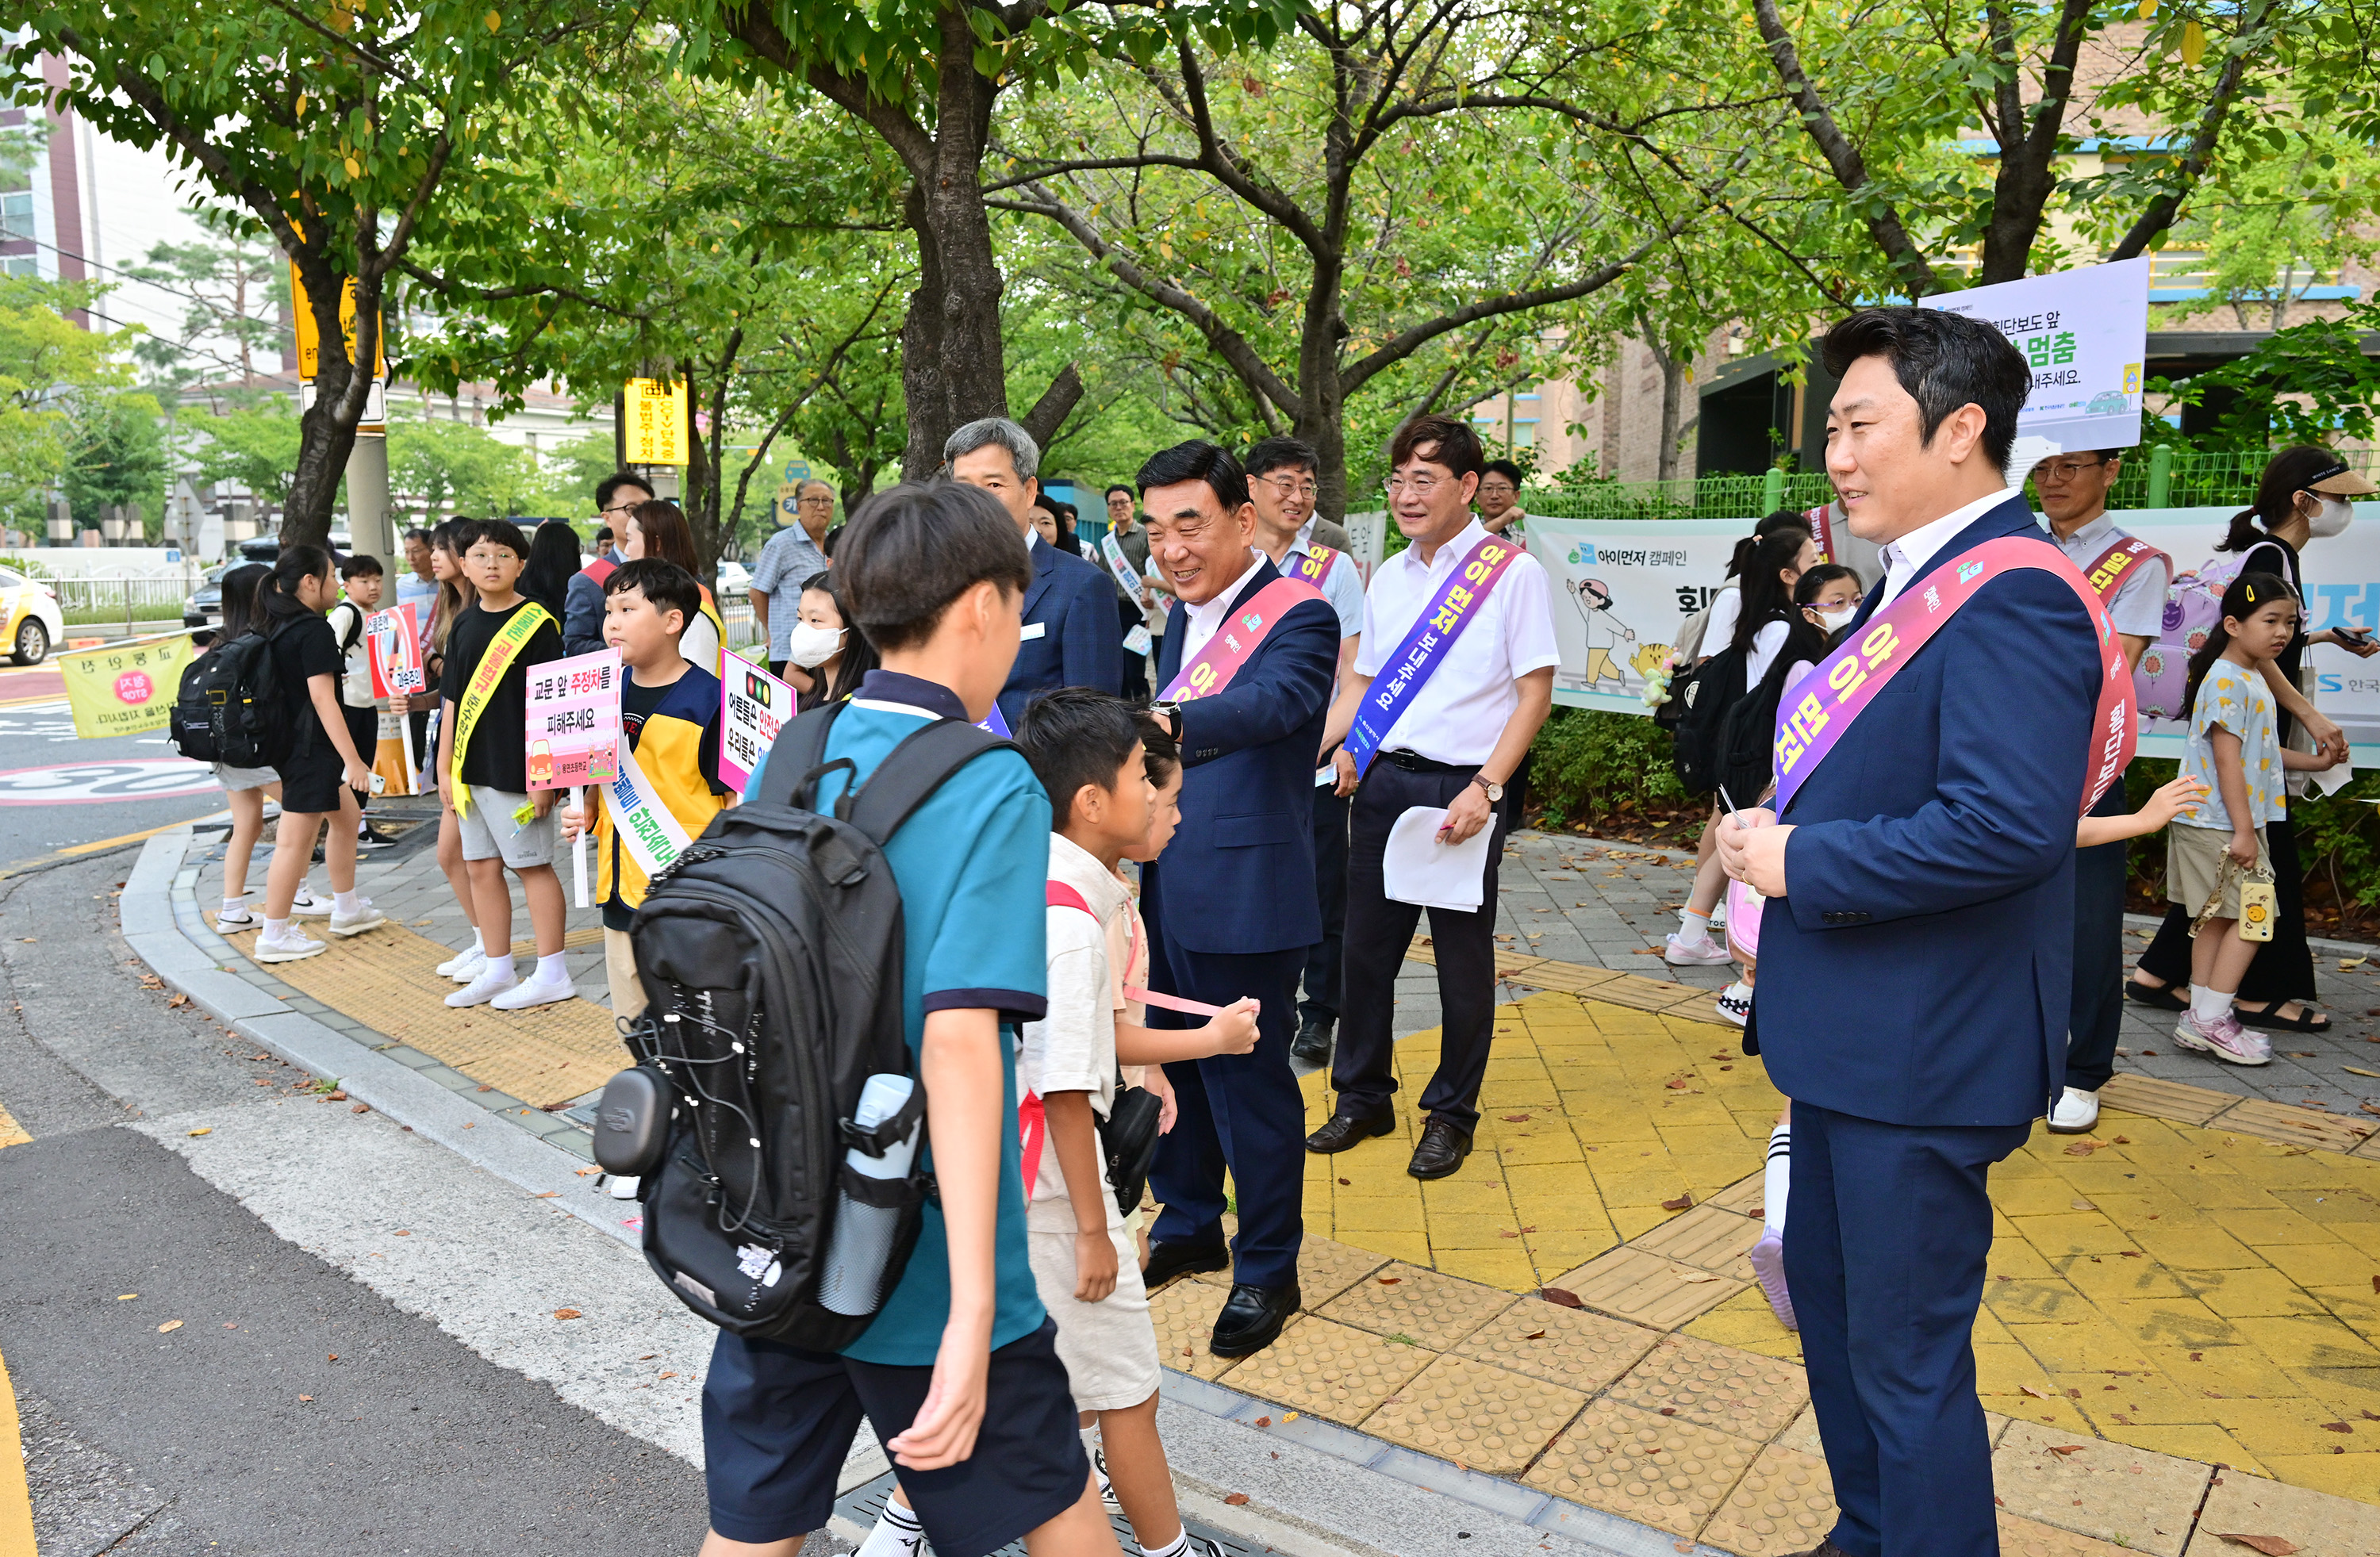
(1701,700)
(1747,743)
(228,707)
(770,951)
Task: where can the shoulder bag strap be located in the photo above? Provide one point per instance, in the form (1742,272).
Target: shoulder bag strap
(794,761)
(912,771)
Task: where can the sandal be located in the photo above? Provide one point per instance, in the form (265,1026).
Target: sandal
(2271,1020)
(2160,995)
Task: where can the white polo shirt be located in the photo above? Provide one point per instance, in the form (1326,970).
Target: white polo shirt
(1461,712)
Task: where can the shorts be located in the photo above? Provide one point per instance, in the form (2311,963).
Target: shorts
(489,831)
(363,729)
(620,972)
(313,780)
(778,1421)
(1109,1347)
(236,779)
(2193,864)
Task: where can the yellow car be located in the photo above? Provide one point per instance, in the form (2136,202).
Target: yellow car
(29,609)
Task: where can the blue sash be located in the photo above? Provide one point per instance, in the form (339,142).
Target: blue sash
(1433,631)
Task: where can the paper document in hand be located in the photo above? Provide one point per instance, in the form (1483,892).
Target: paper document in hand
(1418,868)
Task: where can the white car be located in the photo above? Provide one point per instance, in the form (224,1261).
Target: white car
(30,607)
(734,578)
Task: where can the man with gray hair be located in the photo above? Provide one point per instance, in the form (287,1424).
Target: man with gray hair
(793,556)
(1070,637)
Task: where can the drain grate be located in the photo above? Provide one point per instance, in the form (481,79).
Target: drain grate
(862,1504)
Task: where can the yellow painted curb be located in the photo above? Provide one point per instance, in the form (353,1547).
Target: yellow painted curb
(15,1498)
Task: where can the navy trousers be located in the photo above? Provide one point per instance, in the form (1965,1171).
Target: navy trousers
(1885,1253)
(2096,1010)
(1240,1112)
(1325,965)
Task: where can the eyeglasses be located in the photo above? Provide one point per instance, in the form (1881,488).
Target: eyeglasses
(1291,485)
(2057,473)
(822,501)
(1419,486)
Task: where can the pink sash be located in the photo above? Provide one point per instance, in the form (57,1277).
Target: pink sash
(1235,641)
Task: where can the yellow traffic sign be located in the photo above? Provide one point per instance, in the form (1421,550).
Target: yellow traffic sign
(309,340)
(657,421)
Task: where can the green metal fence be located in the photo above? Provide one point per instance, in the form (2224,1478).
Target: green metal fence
(2160,477)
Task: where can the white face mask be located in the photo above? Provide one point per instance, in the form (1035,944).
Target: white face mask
(1838,619)
(809,646)
(2332,518)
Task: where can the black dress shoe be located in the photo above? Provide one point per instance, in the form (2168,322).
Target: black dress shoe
(1826,1547)
(1312,1043)
(1166,1260)
(1252,1319)
(1344,1131)
(1443,1146)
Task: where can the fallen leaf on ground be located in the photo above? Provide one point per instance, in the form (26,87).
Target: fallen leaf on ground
(2083,1148)
(169,1324)
(1236,1498)
(1264,1421)
(1524,1118)
(179,1001)
(2066,1448)
(2123,1141)
(2337,1427)
(567,1313)
(545,1196)
(2081,1204)
(1683,1203)
(308,1398)
(2347,963)
(1502,1234)
(360,1108)
(204,1129)
(1562,1297)
(336,1094)
(2037,1394)
(1346,1181)
(2271,1546)
(1676,1086)
(1391,1280)
(1687,1273)
(332,1356)
(1535,1336)
(2358,1071)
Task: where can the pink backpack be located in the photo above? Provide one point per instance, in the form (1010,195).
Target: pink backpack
(2194,606)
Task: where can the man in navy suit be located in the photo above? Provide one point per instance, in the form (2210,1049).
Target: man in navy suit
(1915,954)
(1070,637)
(1230,909)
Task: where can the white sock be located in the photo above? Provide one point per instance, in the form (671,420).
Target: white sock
(276,929)
(1777,1180)
(1692,926)
(343,904)
(1091,1436)
(2209,1005)
(478,942)
(898,1534)
(235,905)
(550,970)
(1174,1548)
(499,969)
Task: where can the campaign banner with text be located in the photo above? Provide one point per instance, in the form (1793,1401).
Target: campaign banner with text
(124,688)
(2084,334)
(574,720)
(1625,587)
(753,707)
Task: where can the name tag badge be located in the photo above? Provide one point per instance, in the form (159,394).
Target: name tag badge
(1327,773)
(1033,630)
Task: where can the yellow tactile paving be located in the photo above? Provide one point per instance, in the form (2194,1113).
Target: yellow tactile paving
(1183,1313)
(1419,1307)
(2144,1502)
(1652,1468)
(386,979)
(2316,1526)
(1785,1504)
(1560,1346)
(1481,1417)
(1717,1386)
(1333,1370)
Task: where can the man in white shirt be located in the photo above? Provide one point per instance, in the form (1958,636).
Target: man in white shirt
(1459,736)
(1281,473)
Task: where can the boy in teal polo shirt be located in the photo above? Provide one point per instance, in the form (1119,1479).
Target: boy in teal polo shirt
(959,1373)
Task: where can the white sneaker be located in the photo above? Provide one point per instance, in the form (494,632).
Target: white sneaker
(486,988)
(534,990)
(2075,1113)
(1682,953)
(1107,1488)
(1735,1003)
(365,917)
(1769,1264)
(2226,1040)
(467,968)
(1719,914)
(289,949)
(228,919)
(621,1186)
(306,905)
(455,964)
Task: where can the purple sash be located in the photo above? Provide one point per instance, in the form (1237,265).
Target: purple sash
(1433,631)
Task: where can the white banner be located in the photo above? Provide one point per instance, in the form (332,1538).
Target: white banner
(1626,586)
(2084,333)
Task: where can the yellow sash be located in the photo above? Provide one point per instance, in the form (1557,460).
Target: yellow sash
(510,639)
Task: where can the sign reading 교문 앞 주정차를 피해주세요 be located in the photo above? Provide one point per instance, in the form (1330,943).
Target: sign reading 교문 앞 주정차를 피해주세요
(573,728)
(2084,335)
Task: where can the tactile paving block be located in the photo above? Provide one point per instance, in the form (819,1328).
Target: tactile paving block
(1655,1469)
(2287,1122)
(1561,1345)
(1745,1197)
(2111,1491)
(1708,1237)
(2024,1537)
(1785,1504)
(1480,1416)
(1568,978)
(1647,1289)
(1646,995)
(1333,1370)
(1325,1269)
(2317,1524)
(1717,1386)
(1430,1310)
(1184,1313)
(2164,1100)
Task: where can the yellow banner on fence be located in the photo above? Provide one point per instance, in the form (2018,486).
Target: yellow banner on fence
(128,688)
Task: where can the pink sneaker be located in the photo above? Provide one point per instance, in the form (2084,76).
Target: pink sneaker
(1682,953)
(2227,1040)
(1769,1264)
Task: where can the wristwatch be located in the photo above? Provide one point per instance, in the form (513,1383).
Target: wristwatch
(1172,715)
(1495,790)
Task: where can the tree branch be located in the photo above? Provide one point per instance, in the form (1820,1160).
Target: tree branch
(2166,208)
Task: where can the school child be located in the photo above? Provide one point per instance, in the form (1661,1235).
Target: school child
(322,773)
(959,1373)
(2234,749)
(1128,942)
(247,789)
(825,659)
(361,580)
(669,711)
(447,544)
(483,772)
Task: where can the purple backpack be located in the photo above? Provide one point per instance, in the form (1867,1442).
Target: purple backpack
(2194,605)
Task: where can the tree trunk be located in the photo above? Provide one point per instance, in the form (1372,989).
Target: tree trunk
(327,430)
(1674,405)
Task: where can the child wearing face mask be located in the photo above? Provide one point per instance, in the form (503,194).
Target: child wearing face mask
(825,655)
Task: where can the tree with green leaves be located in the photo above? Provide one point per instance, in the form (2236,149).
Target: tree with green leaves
(253,445)
(335,131)
(60,388)
(2309,383)
(234,288)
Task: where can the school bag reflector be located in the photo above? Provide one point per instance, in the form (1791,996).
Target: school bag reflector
(227,706)
(771,952)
